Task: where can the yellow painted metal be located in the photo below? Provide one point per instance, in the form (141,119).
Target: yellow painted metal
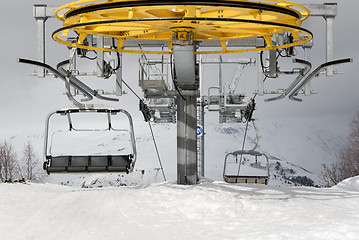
(159,22)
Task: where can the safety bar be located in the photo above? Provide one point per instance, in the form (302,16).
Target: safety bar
(74,82)
(313,74)
(302,73)
(80,84)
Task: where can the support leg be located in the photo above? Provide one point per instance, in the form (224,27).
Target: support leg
(191,140)
(187,170)
(330,44)
(181,141)
(40,16)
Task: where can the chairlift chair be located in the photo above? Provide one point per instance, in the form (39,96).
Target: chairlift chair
(249,178)
(89,163)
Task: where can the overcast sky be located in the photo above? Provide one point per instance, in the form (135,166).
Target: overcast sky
(25,100)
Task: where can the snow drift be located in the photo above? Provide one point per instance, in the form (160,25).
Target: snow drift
(349,184)
(165,211)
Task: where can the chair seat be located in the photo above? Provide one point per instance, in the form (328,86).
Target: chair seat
(246,179)
(111,163)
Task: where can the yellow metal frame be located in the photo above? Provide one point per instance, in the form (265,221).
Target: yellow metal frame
(218,21)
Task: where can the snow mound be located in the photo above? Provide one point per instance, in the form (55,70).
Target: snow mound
(350,184)
(208,211)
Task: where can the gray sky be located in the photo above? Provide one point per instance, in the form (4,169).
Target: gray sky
(25,100)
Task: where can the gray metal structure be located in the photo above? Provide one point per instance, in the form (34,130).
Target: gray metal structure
(313,74)
(200,136)
(172,87)
(301,74)
(186,78)
(154,79)
(328,11)
(230,104)
(41,13)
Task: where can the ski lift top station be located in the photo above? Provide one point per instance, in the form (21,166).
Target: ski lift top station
(180,32)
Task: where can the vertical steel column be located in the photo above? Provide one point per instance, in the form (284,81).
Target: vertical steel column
(181,141)
(200,106)
(41,45)
(187,140)
(200,138)
(41,13)
(40,16)
(329,11)
(330,44)
(220,80)
(100,57)
(119,77)
(185,66)
(187,166)
(202,172)
(308,86)
(191,140)
(272,64)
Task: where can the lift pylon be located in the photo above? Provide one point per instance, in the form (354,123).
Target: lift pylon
(184,29)
(181,24)
(186,78)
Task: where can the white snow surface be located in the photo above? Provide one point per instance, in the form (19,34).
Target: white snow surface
(210,210)
(350,184)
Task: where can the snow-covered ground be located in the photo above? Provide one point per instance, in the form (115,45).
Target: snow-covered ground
(210,210)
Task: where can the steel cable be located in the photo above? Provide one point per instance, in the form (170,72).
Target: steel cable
(152,134)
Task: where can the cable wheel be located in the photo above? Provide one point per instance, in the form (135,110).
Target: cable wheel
(160,20)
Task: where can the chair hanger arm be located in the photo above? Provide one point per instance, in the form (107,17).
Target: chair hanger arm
(302,74)
(313,74)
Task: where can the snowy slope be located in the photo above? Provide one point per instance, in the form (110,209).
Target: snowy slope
(207,211)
